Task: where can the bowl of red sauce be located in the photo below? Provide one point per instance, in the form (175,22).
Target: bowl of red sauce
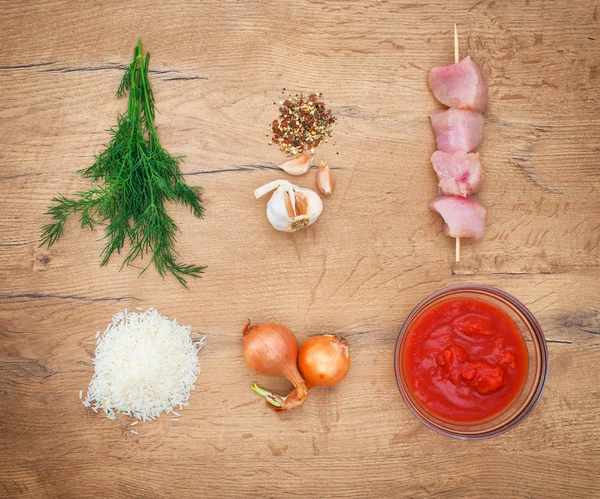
(471,361)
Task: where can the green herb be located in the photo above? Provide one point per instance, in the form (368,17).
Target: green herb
(131,181)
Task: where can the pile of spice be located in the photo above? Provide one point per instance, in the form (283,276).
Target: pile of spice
(303,124)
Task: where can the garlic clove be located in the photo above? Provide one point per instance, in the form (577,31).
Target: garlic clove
(301,203)
(325,180)
(277,213)
(290,208)
(271,186)
(314,205)
(298,165)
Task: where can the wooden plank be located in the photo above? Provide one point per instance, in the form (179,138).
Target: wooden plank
(373,255)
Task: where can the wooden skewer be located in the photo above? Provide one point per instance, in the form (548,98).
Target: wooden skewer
(457,251)
(455,45)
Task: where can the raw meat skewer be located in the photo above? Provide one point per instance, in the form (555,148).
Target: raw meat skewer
(458,130)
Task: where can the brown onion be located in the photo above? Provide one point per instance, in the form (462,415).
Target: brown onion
(324,360)
(272,350)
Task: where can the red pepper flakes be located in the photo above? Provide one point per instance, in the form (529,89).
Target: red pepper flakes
(302,125)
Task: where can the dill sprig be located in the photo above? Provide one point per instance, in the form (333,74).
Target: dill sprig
(132,179)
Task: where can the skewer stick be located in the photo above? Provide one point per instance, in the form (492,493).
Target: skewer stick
(458,249)
(455,45)
(456,62)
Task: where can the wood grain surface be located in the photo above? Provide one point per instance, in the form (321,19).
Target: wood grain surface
(217,67)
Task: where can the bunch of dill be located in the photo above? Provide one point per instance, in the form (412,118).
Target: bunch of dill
(132,179)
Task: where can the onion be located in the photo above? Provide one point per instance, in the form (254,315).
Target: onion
(323,361)
(272,350)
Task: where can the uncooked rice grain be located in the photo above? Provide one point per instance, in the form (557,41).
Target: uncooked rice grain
(145,365)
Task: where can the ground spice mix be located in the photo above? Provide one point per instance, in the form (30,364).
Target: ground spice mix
(302,125)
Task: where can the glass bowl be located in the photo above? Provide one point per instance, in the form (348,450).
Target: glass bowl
(537,371)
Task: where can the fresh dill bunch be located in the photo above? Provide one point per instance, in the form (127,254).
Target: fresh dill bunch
(132,180)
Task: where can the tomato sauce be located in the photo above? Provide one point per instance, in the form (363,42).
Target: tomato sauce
(465,360)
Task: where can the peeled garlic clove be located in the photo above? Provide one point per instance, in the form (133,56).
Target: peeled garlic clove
(298,165)
(325,181)
(290,208)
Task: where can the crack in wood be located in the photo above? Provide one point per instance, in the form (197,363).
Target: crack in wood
(587,321)
(39,296)
(548,188)
(352,112)
(525,148)
(26,66)
(468,272)
(179,78)
(247,168)
(244,168)
(121,67)
(9,177)
(107,67)
(17,244)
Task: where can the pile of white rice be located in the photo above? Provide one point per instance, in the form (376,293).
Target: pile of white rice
(145,365)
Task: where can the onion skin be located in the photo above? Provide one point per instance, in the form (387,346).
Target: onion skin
(272,350)
(324,360)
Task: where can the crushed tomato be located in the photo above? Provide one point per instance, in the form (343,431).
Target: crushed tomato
(465,360)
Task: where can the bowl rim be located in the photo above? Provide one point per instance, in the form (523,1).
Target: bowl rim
(537,334)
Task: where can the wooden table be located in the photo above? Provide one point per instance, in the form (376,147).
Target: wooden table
(376,251)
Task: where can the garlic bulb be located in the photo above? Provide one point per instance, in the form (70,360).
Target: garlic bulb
(298,165)
(290,208)
(325,181)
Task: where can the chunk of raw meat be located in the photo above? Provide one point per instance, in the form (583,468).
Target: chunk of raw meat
(459,173)
(463,217)
(460,85)
(457,129)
